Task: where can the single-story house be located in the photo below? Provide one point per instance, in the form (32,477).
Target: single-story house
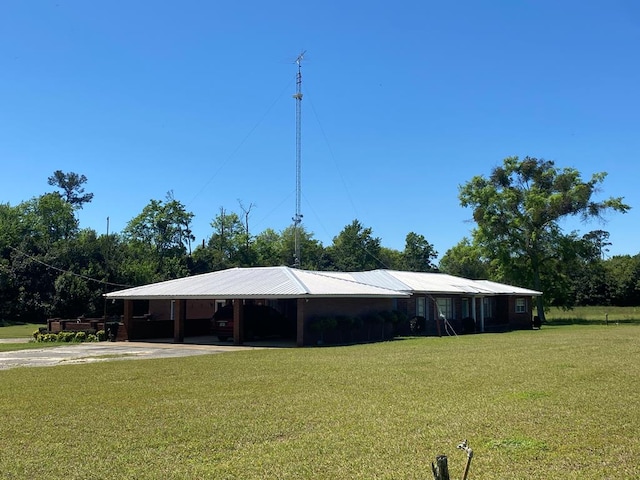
(314,304)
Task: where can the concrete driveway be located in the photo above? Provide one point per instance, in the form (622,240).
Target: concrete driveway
(110,351)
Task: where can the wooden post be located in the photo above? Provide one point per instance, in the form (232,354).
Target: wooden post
(127,319)
(180,314)
(441,468)
(300,322)
(238,321)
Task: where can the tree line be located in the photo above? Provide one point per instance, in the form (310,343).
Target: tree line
(51,267)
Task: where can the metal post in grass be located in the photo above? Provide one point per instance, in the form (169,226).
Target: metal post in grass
(466,448)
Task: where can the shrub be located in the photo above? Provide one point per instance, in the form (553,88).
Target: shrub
(36,334)
(80,337)
(66,336)
(101,335)
(47,337)
(92,338)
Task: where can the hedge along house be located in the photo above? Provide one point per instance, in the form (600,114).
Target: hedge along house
(185,307)
(467,305)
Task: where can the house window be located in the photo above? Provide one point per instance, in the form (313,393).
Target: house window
(420,307)
(445,307)
(521,305)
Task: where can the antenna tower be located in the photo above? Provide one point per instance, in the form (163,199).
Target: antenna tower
(297,219)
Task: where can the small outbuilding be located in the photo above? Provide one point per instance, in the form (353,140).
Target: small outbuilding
(310,306)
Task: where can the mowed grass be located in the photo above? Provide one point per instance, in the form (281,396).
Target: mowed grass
(562,402)
(23,330)
(593,315)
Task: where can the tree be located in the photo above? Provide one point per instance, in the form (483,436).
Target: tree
(518,209)
(268,247)
(34,239)
(160,236)
(600,241)
(391,258)
(465,260)
(355,249)
(312,252)
(71,186)
(418,254)
(623,279)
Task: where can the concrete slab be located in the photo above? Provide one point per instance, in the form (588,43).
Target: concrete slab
(109,351)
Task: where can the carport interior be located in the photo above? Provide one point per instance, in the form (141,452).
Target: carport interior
(177,318)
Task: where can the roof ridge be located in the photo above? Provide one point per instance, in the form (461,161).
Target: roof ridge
(290,272)
(327,273)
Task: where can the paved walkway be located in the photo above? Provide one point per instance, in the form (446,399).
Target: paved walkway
(109,351)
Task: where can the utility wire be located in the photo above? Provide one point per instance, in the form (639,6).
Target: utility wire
(241,144)
(79,275)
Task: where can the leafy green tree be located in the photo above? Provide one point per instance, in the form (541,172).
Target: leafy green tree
(391,259)
(312,252)
(48,219)
(269,249)
(466,260)
(589,277)
(355,249)
(623,279)
(160,237)
(518,208)
(72,188)
(33,241)
(599,239)
(418,254)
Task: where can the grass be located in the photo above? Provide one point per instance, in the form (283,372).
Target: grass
(561,402)
(22,330)
(594,315)
(11,347)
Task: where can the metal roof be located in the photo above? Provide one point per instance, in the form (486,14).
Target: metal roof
(432,283)
(285,282)
(256,282)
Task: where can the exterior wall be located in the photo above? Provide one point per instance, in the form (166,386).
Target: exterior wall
(502,315)
(521,320)
(369,327)
(157,323)
(346,306)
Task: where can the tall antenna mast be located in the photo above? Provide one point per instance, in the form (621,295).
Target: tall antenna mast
(297,219)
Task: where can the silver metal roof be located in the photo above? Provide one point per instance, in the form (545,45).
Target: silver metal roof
(285,282)
(432,283)
(256,282)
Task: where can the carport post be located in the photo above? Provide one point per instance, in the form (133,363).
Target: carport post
(300,322)
(127,319)
(180,314)
(238,321)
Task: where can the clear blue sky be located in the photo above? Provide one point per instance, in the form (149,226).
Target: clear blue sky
(403,102)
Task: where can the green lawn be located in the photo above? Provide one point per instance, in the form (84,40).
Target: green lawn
(22,330)
(561,402)
(594,315)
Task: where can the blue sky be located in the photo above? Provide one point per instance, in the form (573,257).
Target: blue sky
(403,102)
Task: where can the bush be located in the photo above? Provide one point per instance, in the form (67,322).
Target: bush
(92,338)
(66,336)
(47,337)
(80,337)
(101,335)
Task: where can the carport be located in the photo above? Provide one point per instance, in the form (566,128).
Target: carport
(309,293)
